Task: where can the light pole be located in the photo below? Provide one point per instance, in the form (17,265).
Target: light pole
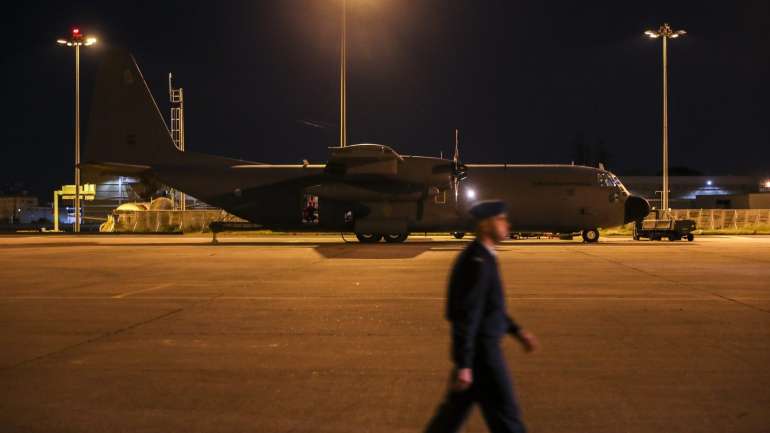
(665,33)
(343,77)
(77,39)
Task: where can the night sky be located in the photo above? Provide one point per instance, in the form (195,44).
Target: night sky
(525,81)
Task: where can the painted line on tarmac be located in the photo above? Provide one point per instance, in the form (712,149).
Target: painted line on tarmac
(106,335)
(359,298)
(735,300)
(159,286)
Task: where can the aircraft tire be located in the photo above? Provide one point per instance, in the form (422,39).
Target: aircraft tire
(690,237)
(396,238)
(458,235)
(590,235)
(368,238)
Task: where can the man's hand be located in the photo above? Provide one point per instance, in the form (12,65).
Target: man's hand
(463,379)
(528,341)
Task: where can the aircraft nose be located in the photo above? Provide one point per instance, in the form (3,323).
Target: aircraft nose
(636,209)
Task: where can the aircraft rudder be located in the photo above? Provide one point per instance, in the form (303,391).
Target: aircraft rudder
(125,124)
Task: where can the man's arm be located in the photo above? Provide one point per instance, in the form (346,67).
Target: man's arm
(526,338)
(513,327)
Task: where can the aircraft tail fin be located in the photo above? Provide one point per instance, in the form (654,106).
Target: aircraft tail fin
(125,125)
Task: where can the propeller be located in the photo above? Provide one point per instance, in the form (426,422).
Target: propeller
(459,170)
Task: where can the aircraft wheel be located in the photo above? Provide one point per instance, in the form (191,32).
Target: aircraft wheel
(591,235)
(515,236)
(396,238)
(368,238)
(458,235)
(690,237)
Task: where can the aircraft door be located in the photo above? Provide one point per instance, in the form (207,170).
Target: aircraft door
(310,210)
(579,208)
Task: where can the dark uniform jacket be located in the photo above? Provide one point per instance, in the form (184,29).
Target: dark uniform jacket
(476,303)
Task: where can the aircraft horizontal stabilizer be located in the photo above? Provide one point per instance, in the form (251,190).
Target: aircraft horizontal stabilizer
(115,168)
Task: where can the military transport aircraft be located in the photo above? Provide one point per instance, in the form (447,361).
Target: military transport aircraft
(368,189)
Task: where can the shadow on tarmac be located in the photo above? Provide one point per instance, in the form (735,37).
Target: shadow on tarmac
(355,250)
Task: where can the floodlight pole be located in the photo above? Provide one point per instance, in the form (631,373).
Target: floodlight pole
(665,202)
(77,139)
(77,39)
(343,78)
(665,33)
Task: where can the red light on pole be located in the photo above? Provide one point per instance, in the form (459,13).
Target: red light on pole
(76,31)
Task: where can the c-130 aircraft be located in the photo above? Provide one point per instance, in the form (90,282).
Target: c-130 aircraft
(368,189)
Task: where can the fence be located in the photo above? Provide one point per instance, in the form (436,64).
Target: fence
(165,221)
(191,221)
(725,219)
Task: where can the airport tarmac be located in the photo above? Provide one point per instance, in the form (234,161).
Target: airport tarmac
(122,333)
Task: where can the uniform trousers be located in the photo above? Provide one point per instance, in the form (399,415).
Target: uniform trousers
(492,389)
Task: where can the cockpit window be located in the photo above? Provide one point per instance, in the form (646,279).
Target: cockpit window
(609,180)
(605,180)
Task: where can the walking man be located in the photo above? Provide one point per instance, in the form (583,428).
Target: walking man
(476,311)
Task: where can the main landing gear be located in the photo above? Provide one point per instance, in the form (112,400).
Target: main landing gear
(368,238)
(590,235)
(373,238)
(396,238)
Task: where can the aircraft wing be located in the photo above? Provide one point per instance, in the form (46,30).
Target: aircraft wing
(369,160)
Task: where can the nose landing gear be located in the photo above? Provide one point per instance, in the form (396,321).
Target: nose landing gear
(590,235)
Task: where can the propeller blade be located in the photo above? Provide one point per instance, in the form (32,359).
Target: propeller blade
(456,187)
(456,175)
(456,157)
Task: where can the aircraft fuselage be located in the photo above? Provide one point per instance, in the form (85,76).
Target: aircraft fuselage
(541,198)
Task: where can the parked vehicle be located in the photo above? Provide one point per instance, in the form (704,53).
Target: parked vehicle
(660,224)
